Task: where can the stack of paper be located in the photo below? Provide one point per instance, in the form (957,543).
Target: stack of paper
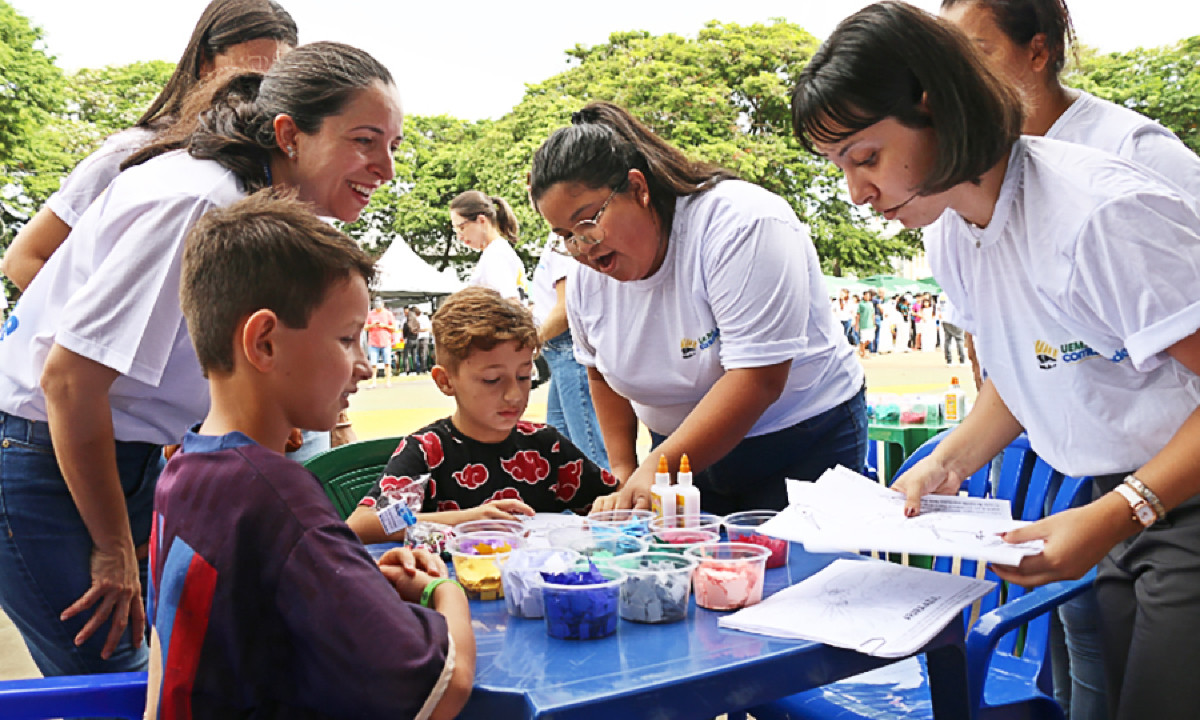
(874,607)
(845,511)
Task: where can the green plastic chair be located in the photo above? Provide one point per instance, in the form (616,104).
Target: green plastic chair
(347,472)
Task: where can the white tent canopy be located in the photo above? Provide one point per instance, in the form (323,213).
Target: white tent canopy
(403,275)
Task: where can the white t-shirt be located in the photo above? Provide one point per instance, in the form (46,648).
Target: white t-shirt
(500,269)
(740,287)
(1082,280)
(94,173)
(551,268)
(1107,126)
(111,294)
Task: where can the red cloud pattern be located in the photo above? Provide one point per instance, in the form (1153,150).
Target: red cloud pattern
(505,494)
(431,446)
(471,477)
(527,466)
(568,480)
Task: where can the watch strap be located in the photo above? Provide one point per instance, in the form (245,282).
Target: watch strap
(1143,513)
(1147,494)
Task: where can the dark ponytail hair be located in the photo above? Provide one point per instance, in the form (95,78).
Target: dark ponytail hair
(309,84)
(600,147)
(223,24)
(473,203)
(1020,20)
(894,60)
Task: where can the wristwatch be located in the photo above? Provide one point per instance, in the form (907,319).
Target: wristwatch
(1142,512)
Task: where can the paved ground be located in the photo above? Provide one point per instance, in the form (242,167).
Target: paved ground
(414,401)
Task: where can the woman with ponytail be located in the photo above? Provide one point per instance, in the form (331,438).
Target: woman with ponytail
(97,369)
(488,224)
(701,312)
(229,34)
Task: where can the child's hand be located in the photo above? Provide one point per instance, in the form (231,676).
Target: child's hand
(409,571)
(506,509)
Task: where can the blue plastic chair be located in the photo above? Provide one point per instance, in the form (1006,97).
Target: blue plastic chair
(118,695)
(1008,666)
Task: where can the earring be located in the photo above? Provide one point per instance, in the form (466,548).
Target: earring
(291,152)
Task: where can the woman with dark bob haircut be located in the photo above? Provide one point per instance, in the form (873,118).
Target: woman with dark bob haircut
(1076,271)
(701,311)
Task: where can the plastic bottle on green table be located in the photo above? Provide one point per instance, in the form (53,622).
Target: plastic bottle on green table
(955,401)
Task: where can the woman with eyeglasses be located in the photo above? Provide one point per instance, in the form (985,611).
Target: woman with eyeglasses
(701,311)
(488,224)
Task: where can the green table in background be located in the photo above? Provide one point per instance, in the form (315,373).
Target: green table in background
(899,441)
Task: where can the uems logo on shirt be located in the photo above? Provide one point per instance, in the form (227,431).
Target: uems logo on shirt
(688,347)
(9,327)
(1072,352)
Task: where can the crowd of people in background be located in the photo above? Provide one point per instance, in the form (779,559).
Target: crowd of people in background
(876,324)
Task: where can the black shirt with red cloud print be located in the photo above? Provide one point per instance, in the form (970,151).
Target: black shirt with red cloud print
(535,464)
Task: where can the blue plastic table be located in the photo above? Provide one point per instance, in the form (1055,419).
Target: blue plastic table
(691,669)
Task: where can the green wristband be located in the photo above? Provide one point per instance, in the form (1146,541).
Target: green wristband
(427,593)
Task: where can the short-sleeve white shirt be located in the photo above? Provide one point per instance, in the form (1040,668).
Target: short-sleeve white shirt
(111,294)
(94,173)
(1082,280)
(1107,126)
(501,269)
(552,267)
(740,287)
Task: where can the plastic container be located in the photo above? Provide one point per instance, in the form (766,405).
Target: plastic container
(954,401)
(583,611)
(687,495)
(515,527)
(743,527)
(477,560)
(521,577)
(630,522)
(600,546)
(729,575)
(702,521)
(677,540)
(656,586)
(662,495)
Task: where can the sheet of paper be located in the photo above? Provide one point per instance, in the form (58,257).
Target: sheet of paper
(874,607)
(845,511)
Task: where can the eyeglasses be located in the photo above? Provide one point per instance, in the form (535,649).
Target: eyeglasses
(586,233)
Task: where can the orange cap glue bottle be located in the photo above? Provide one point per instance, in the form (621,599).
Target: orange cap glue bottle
(662,495)
(687,496)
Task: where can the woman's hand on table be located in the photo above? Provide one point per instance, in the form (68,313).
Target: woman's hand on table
(116,593)
(1075,540)
(928,477)
(634,493)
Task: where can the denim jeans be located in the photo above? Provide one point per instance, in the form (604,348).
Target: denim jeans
(45,549)
(569,406)
(751,476)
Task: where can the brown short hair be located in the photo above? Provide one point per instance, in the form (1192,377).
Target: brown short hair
(477,318)
(266,251)
(883,61)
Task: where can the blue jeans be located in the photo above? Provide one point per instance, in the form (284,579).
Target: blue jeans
(45,549)
(569,407)
(751,476)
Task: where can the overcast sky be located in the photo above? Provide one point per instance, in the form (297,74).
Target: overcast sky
(472,59)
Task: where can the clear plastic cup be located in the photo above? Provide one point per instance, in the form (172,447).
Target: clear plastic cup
(512,526)
(743,527)
(583,612)
(521,577)
(656,586)
(729,575)
(599,545)
(477,559)
(702,521)
(677,540)
(630,522)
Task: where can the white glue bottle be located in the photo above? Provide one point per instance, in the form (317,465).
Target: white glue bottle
(662,495)
(687,496)
(955,402)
